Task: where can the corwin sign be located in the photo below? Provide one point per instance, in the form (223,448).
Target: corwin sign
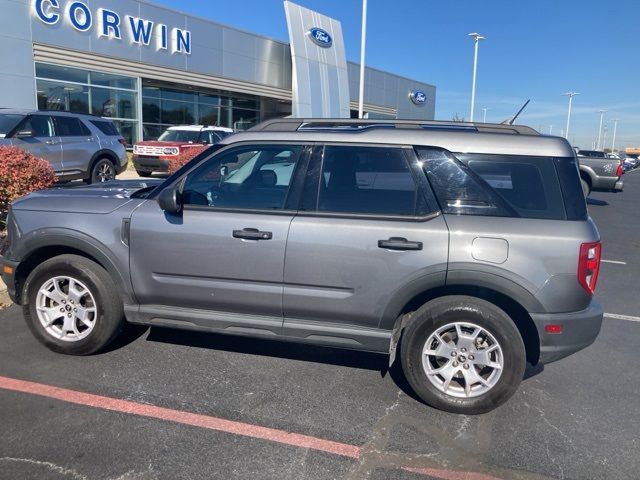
(111,25)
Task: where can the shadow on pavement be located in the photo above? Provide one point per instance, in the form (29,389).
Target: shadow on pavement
(600,203)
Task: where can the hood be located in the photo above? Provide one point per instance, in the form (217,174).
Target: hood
(94,199)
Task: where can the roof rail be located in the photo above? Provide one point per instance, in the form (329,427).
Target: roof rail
(356,125)
(73,112)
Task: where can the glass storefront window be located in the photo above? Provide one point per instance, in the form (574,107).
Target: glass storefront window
(178,113)
(66,74)
(111,80)
(112,103)
(62,96)
(208,115)
(244,119)
(151,110)
(152,132)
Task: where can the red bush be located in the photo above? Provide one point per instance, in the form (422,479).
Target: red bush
(20,173)
(185,156)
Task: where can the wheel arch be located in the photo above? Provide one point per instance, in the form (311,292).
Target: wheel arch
(38,248)
(512,307)
(99,155)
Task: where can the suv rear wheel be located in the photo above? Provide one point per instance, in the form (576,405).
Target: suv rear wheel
(463,355)
(103,171)
(71,305)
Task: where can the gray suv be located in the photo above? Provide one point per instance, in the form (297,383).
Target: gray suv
(461,250)
(78,146)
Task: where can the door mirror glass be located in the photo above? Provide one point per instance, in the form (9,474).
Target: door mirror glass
(25,134)
(169,200)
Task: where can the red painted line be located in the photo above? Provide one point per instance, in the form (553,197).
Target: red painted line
(214,423)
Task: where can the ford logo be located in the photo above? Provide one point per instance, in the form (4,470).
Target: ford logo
(418,97)
(320,37)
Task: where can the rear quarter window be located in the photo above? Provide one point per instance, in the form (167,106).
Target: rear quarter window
(530,185)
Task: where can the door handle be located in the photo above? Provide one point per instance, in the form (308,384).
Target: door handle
(252,234)
(399,243)
(51,142)
(91,139)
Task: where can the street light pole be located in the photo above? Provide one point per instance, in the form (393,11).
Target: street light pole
(484,115)
(362,51)
(476,38)
(615,130)
(602,112)
(570,95)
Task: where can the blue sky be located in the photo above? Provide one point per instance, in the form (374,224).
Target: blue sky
(534,49)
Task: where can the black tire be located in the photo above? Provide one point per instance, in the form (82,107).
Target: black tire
(443,311)
(142,173)
(586,189)
(109,318)
(103,170)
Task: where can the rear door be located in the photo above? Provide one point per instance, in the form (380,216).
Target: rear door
(78,143)
(44,143)
(368,227)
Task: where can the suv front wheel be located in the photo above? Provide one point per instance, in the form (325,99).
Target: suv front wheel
(462,354)
(71,305)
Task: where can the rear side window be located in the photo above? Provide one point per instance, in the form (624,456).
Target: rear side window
(368,180)
(458,189)
(70,127)
(105,127)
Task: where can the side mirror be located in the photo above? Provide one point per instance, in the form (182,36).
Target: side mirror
(25,134)
(224,171)
(169,200)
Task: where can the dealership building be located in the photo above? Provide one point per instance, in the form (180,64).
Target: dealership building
(148,67)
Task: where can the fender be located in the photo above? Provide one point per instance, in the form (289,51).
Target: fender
(589,172)
(63,237)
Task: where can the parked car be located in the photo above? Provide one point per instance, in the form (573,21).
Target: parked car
(78,146)
(153,155)
(629,162)
(599,173)
(427,243)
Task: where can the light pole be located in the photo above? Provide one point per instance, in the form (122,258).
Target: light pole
(550,129)
(476,38)
(484,115)
(615,130)
(601,112)
(570,95)
(363,43)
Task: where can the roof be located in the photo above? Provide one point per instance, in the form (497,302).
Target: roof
(453,136)
(199,128)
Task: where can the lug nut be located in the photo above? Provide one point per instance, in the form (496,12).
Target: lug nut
(64,301)
(62,309)
(463,349)
(75,309)
(466,366)
(471,357)
(454,354)
(455,364)
(69,315)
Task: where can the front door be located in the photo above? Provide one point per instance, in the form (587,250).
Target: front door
(43,143)
(369,228)
(224,253)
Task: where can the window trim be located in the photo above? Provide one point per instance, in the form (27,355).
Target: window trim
(311,187)
(292,193)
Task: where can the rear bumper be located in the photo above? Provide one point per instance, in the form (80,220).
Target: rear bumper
(579,330)
(619,186)
(143,163)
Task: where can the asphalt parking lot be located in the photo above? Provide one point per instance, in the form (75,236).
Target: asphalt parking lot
(173,405)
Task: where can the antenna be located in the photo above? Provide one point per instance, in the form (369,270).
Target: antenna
(510,122)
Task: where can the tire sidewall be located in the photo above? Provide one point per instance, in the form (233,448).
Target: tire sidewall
(109,317)
(94,171)
(437,314)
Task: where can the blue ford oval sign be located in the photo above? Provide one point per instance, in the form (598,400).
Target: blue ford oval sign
(320,37)
(418,97)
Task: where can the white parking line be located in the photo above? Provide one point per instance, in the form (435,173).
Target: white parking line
(616,262)
(628,318)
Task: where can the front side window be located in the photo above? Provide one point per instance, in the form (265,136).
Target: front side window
(40,125)
(256,177)
(368,180)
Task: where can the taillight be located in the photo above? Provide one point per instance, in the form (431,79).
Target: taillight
(123,142)
(589,266)
(620,170)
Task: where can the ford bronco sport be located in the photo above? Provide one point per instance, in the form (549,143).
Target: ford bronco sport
(461,250)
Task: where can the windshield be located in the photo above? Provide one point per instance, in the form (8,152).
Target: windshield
(8,122)
(179,136)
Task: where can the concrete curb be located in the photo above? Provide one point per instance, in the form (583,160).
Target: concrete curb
(4,296)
